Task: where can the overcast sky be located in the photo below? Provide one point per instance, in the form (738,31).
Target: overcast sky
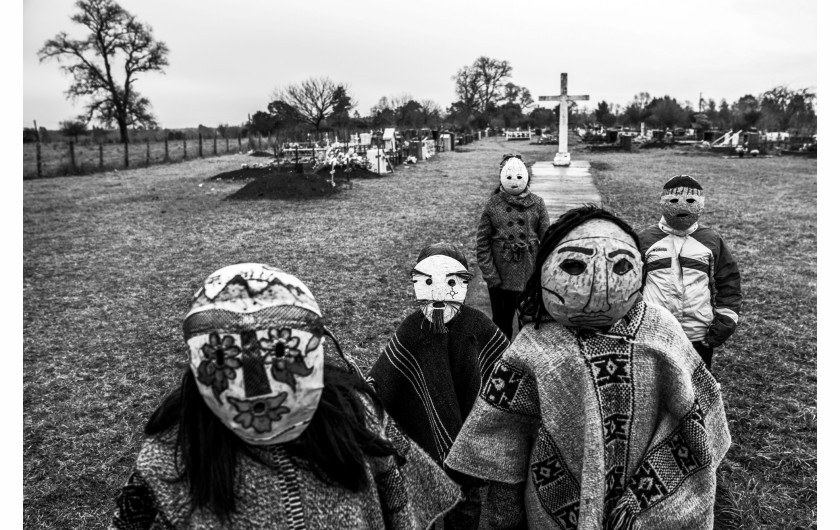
(226,58)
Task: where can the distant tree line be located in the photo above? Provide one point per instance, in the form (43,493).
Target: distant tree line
(116,42)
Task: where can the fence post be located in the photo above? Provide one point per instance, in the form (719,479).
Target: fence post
(125,153)
(200,145)
(184,138)
(72,157)
(148,153)
(166,146)
(214,143)
(101,158)
(239,139)
(227,144)
(37,148)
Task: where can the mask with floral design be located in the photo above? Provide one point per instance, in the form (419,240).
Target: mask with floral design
(513,176)
(255,340)
(593,277)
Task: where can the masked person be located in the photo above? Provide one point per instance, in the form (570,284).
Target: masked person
(600,414)
(263,433)
(689,269)
(508,237)
(430,372)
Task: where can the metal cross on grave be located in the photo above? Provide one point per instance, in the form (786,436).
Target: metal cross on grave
(562,158)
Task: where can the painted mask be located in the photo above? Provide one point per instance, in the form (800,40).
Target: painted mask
(682,202)
(513,176)
(593,277)
(255,340)
(440,286)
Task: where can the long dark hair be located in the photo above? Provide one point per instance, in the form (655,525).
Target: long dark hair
(530,302)
(334,444)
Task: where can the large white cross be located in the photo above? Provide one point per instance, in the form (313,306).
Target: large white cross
(562,158)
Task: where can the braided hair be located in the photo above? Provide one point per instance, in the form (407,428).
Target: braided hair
(530,302)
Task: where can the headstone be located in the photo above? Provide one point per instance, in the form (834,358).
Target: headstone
(389,138)
(562,158)
(446,142)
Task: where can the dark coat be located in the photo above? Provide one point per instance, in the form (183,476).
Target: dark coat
(508,237)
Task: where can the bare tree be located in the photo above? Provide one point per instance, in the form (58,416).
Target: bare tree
(467,87)
(481,84)
(313,100)
(491,73)
(116,42)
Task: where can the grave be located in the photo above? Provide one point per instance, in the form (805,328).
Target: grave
(563,158)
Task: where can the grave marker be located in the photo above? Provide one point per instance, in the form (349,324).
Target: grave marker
(562,158)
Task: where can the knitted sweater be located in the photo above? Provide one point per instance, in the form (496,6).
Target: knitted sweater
(288,494)
(589,430)
(508,237)
(429,382)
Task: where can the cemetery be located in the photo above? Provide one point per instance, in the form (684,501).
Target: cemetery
(158,225)
(582,308)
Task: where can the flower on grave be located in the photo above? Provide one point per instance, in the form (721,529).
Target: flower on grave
(220,363)
(259,413)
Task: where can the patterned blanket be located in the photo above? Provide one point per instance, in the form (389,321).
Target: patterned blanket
(590,430)
(429,382)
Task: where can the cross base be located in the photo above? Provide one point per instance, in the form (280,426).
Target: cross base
(562,159)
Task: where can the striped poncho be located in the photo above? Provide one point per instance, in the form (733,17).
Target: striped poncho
(588,430)
(429,382)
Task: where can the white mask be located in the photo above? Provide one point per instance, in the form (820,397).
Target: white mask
(514,176)
(440,286)
(593,277)
(256,351)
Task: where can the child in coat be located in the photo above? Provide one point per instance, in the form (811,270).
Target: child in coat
(509,233)
(689,269)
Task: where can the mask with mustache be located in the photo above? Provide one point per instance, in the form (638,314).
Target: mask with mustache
(440,287)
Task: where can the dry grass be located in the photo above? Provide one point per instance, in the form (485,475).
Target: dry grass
(766,210)
(110,262)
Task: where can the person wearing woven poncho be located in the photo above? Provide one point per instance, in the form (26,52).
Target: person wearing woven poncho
(431,370)
(264,433)
(600,414)
(509,232)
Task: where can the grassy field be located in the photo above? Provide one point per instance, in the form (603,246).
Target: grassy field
(110,263)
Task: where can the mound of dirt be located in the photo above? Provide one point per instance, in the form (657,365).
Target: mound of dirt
(355,174)
(251,173)
(286,186)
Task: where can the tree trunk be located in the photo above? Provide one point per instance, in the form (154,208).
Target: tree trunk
(123,131)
